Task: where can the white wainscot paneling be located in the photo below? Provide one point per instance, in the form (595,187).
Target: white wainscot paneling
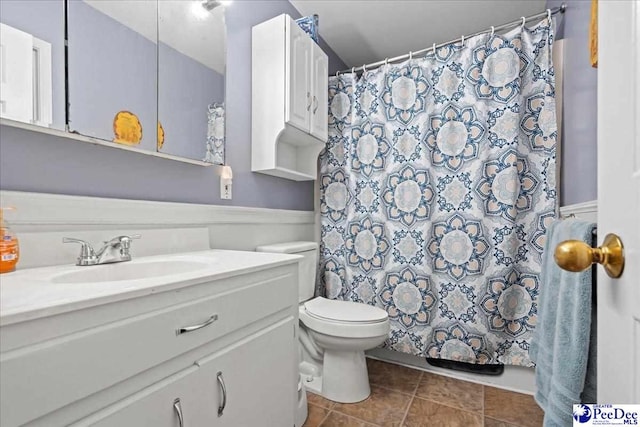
(587,211)
(42,220)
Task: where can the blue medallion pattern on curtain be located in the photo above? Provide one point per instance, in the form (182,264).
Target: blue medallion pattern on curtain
(437,187)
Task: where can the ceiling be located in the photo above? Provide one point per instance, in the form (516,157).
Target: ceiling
(204,41)
(365,31)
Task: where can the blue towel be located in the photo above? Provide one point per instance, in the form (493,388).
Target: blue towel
(561,343)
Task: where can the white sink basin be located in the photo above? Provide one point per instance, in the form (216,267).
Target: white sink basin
(129,271)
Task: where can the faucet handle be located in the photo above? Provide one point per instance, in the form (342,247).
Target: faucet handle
(87,254)
(124,242)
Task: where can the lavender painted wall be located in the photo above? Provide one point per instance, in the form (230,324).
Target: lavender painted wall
(44,20)
(39,163)
(579,150)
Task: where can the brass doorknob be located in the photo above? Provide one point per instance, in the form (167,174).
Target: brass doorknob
(574,255)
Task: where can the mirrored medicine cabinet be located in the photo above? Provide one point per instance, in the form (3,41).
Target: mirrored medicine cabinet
(140,74)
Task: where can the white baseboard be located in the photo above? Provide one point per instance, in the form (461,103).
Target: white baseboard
(515,378)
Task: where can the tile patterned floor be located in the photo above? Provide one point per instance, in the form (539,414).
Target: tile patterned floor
(404,397)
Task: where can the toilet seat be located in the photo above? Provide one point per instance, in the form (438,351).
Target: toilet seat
(344,318)
(344,311)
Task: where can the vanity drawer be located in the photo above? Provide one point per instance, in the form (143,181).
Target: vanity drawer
(66,369)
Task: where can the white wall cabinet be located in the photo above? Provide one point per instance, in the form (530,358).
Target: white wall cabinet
(289,100)
(125,364)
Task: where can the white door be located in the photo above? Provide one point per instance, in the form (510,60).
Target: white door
(619,198)
(298,78)
(320,95)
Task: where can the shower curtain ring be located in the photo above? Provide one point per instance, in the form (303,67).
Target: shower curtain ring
(386,61)
(364,68)
(462,40)
(493,30)
(353,70)
(434,48)
(549,14)
(410,55)
(524,20)
(337,73)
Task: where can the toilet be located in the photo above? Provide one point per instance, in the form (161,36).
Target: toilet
(333,335)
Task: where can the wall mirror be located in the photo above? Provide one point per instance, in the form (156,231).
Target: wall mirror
(32,62)
(113,65)
(191,77)
(149,74)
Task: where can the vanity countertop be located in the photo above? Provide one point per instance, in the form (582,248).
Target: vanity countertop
(38,292)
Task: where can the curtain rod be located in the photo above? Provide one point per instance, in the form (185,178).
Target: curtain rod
(521,21)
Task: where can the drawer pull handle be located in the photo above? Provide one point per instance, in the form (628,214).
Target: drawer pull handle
(177,407)
(224,394)
(196,327)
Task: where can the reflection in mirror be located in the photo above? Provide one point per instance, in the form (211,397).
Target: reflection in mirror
(32,62)
(113,70)
(191,61)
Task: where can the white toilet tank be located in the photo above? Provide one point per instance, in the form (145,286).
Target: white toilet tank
(307,266)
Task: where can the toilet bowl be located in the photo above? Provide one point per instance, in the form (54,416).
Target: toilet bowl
(333,335)
(342,331)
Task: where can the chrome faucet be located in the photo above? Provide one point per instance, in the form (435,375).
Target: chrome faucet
(115,250)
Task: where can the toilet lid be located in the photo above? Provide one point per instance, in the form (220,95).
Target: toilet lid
(344,311)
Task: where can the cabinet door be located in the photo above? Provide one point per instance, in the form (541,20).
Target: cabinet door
(298,78)
(259,377)
(180,400)
(320,100)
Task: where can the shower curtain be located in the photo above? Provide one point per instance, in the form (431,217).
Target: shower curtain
(437,185)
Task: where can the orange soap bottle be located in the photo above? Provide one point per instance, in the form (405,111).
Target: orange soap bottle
(9,249)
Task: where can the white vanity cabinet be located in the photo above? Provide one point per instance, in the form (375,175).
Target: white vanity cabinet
(139,359)
(239,386)
(289,100)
